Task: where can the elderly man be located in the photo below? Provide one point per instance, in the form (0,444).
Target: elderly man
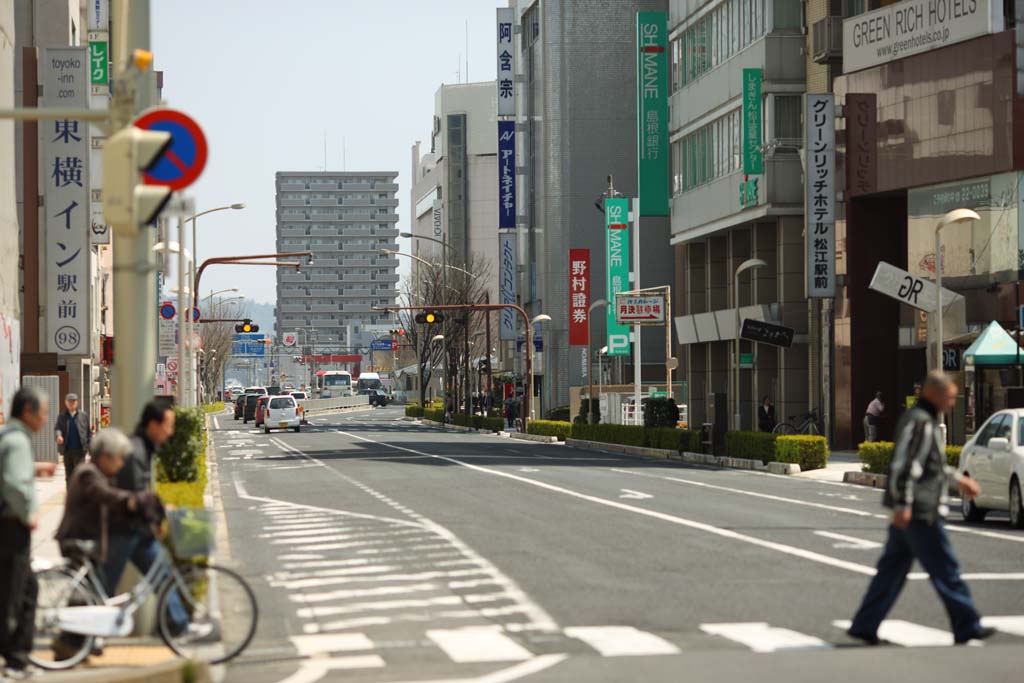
(73,434)
(18,517)
(917,495)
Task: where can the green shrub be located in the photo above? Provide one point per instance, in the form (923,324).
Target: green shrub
(413,410)
(582,417)
(661,412)
(560,414)
(494,424)
(182,458)
(216,407)
(625,435)
(875,455)
(750,445)
(560,428)
(953,455)
(679,440)
(810,452)
(434,413)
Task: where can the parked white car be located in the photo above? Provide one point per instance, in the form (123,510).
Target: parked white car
(282,413)
(995,458)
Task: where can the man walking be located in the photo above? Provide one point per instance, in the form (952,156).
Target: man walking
(18,510)
(917,495)
(871,417)
(73,435)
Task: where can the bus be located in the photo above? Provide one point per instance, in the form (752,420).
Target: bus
(368,380)
(335,384)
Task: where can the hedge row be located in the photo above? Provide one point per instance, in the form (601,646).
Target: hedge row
(494,424)
(810,452)
(560,414)
(413,410)
(751,445)
(560,428)
(877,456)
(629,435)
(181,462)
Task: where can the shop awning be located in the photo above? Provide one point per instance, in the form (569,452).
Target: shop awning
(994,346)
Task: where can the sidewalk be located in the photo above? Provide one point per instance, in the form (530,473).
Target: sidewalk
(839,463)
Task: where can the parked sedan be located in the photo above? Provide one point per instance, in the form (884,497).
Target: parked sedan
(282,412)
(995,458)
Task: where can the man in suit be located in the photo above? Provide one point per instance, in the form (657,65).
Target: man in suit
(73,435)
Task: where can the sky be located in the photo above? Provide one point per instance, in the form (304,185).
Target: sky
(268,80)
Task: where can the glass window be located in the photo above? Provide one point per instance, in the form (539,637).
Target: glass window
(744,23)
(734,25)
(1020,432)
(1004,428)
(787,14)
(788,125)
(989,430)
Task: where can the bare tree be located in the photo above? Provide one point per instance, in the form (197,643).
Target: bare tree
(218,338)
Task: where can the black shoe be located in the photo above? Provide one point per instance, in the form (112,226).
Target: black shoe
(868,638)
(981,634)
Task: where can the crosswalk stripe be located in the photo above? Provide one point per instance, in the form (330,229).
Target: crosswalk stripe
(760,637)
(310,645)
(1011,625)
(478,644)
(907,633)
(621,641)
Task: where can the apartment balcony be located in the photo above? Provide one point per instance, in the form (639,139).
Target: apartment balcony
(387,263)
(387,202)
(387,233)
(292,202)
(324,308)
(355,232)
(827,40)
(293,308)
(386,187)
(360,202)
(356,308)
(353,187)
(388,277)
(355,262)
(293,232)
(291,277)
(293,187)
(323,322)
(323,202)
(323,232)
(355,291)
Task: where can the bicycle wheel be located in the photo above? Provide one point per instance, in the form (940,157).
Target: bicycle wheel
(52,648)
(784,429)
(218,609)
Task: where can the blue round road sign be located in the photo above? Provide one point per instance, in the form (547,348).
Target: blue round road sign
(185,158)
(195,315)
(167,310)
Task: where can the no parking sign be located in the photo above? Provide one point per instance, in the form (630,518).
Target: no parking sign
(185,158)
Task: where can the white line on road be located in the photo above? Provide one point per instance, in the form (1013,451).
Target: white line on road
(907,633)
(308,646)
(1011,625)
(634,495)
(216,423)
(760,637)
(377,606)
(513,673)
(848,541)
(476,644)
(621,641)
(329,596)
(313,671)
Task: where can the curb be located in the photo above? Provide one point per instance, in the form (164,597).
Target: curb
(878,481)
(176,671)
(530,437)
(455,428)
(781,468)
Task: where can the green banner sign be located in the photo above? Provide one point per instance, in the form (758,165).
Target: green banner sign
(753,160)
(98,63)
(652,112)
(616,224)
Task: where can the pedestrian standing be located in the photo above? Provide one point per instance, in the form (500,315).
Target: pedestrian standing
(872,416)
(917,495)
(73,435)
(18,517)
(766,415)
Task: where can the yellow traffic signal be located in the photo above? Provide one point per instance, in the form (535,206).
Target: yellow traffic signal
(431,318)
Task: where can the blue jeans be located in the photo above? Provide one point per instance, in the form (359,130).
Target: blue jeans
(930,545)
(143,551)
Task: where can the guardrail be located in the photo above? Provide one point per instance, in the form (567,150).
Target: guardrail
(319,405)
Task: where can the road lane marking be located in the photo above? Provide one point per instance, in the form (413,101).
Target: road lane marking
(308,598)
(1011,625)
(634,495)
(621,641)
(907,633)
(377,606)
(313,671)
(310,645)
(851,542)
(475,644)
(760,637)
(513,673)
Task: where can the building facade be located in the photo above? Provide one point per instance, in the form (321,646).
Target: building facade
(726,209)
(345,218)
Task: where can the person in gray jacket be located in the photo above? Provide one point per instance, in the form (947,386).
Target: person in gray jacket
(73,435)
(918,481)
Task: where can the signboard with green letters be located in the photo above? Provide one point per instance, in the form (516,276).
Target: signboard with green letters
(753,161)
(616,223)
(652,112)
(98,62)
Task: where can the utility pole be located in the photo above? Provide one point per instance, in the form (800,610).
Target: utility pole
(134,271)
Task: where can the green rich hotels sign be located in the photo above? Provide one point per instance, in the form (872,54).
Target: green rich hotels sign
(753,161)
(652,112)
(616,223)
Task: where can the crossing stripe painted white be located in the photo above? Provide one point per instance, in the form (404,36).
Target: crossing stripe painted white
(478,644)
(366,575)
(760,637)
(848,541)
(1011,625)
(621,641)
(309,646)
(907,633)
(363,593)
(377,606)
(314,670)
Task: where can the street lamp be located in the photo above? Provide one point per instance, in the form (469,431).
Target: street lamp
(600,378)
(594,305)
(537,319)
(746,265)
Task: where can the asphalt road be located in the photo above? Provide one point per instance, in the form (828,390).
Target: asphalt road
(382,550)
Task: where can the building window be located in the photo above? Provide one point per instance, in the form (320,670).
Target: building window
(706,154)
(717,36)
(788,125)
(788,14)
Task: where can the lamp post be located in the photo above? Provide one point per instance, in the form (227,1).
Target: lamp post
(439,339)
(600,378)
(746,265)
(594,305)
(537,319)
(953,217)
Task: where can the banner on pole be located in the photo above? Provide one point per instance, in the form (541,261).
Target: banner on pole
(753,160)
(506,53)
(508,266)
(820,194)
(652,112)
(579,297)
(506,174)
(616,218)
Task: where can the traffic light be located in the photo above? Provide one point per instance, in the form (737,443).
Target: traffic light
(397,332)
(246,327)
(429,318)
(128,204)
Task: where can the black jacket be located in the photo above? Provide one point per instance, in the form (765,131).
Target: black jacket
(64,425)
(918,474)
(136,475)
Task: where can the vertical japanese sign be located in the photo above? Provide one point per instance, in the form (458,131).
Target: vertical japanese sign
(616,223)
(64,73)
(98,15)
(506,81)
(861,144)
(509,259)
(652,112)
(98,60)
(753,161)
(820,195)
(99,98)
(579,296)
(506,174)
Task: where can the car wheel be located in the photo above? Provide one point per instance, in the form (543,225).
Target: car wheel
(266,430)
(970,511)
(297,429)
(1016,505)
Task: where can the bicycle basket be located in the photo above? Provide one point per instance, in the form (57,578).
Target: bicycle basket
(191,532)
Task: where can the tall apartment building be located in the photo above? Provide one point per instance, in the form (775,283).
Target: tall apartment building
(344,218)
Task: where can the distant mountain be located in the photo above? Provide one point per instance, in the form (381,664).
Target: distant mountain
(261,314)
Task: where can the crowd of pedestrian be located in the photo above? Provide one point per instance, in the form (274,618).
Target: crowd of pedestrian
(110,501)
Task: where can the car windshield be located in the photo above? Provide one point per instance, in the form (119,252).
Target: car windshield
(250,399)
(337,380)
(282,402)
(299,395)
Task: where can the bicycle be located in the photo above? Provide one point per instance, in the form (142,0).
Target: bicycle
(73,608)
(808,424)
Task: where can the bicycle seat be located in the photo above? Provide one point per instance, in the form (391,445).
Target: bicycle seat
(77,548)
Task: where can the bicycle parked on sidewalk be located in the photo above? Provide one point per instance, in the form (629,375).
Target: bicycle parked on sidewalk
(808,424)
(73,609)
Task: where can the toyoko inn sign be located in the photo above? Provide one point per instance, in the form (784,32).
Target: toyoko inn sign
(914,26)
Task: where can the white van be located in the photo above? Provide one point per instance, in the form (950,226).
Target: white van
(282,413)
